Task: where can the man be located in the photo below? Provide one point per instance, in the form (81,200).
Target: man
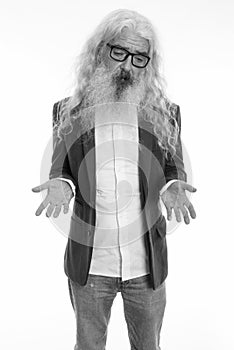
(117,144)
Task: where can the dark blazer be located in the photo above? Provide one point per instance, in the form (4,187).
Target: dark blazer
(74,158)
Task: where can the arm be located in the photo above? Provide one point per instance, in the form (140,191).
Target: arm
(174,197)
(174,166)
(60,167)
(59,193)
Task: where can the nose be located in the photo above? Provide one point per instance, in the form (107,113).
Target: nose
(127,63)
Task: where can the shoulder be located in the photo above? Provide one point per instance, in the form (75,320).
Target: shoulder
(57,106)
(174,111)
(173,108)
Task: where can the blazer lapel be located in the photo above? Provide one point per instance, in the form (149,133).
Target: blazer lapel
(145,149)
(90,161)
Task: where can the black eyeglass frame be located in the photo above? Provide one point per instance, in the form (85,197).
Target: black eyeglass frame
(127,54)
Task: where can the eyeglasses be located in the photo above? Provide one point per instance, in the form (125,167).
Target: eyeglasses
(120,54)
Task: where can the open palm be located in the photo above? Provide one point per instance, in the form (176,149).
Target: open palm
(59,194)
(175,198)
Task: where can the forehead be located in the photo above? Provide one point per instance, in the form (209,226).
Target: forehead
(130,39)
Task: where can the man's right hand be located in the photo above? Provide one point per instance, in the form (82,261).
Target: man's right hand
(59,193)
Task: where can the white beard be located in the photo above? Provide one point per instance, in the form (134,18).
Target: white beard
(107,88)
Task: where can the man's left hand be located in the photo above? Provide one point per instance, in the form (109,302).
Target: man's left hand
(175,198)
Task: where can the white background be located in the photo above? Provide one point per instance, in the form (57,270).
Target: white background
(40,40)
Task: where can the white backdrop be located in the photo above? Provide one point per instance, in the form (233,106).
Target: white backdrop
(40,40)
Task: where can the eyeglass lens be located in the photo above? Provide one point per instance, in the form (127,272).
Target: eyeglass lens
(120,55)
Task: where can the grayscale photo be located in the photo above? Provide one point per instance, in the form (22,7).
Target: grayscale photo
(117,239)
(121,136)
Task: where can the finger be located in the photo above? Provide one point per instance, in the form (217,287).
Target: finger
(41,187)
(57,211)
(50,210)
(185,214)
(42,206)
(66,208)
(191,210)
(177,214)
(189,187)
(169,212)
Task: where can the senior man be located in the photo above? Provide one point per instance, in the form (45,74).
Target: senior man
(117,147)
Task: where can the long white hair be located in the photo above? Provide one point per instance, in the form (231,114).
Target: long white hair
(157,108)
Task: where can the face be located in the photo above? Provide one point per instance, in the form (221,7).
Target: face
(115,81)
(134,44)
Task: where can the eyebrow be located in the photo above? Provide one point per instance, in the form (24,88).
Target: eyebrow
(138,52)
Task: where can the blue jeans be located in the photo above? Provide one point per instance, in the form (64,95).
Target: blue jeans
(143,310)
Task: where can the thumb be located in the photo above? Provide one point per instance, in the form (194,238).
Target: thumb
(41,187)
(189,188)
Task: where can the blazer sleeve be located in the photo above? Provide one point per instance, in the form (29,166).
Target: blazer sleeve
(174,166)
(60,166)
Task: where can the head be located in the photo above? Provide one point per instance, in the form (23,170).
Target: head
(102,78)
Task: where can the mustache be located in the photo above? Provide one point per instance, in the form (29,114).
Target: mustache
(123,78)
